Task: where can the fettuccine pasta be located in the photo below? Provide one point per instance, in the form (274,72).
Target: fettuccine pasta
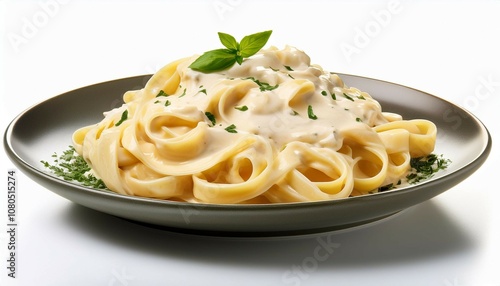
(274,129)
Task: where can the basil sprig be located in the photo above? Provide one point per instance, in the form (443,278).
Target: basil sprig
(220,59)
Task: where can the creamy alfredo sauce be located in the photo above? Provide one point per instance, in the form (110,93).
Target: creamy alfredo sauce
(297,102)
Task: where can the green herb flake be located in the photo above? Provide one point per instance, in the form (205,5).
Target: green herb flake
(288,68)
(162,93)
(210,117)
(361,97)
(334,97)
(123,118)
(72,167)
(348,97)
(358,119)
(202,90)
(167,103)
(183,93)
(241,108)
(324,93)
(425,167)
(231,129)
(263,86)
(310,113)
(294,113)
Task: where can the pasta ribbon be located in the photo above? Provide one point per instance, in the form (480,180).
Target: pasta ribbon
(275,129)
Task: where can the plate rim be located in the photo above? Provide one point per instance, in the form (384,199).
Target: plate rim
(87,196)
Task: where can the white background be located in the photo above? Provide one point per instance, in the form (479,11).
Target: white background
(450,49)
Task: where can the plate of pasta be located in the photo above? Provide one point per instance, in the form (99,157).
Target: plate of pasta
(268,144)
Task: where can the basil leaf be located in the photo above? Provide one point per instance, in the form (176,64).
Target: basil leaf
(251,44)
(220,59)
(239,59)
(214,60)
(228,41)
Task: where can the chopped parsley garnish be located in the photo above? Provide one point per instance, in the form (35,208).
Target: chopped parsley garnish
(293,113)
(334,97)
(324,93)
(72,167)
(425,167)
(386,187)
(210,117)
(202,91)
(167,103)
(162,93)
(422,168)
(361,97)
(358,119)
(310,113)
(241,108)
(263,85)
(289,68)
(231,129)
(123,118)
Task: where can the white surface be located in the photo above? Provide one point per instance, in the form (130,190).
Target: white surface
(448,49)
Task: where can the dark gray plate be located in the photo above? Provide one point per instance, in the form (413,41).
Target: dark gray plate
(47,127)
